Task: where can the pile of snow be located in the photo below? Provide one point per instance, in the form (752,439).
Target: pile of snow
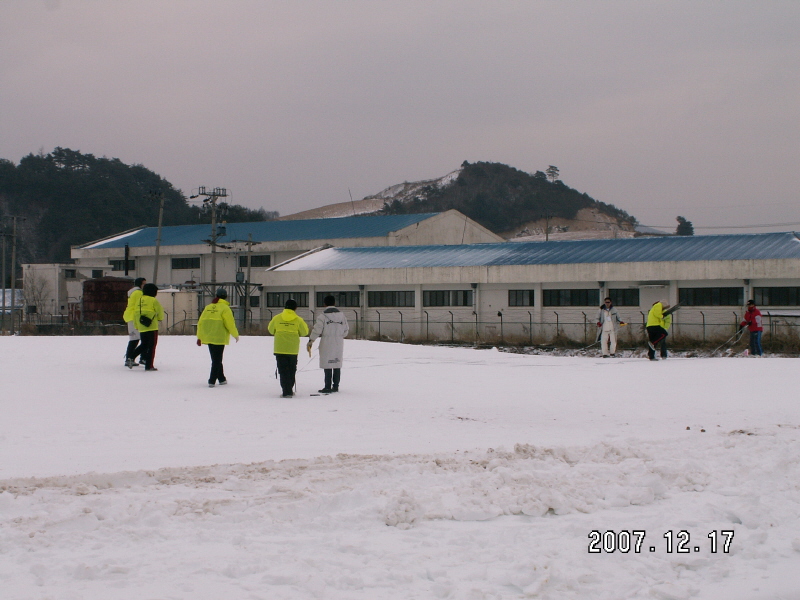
(404,192)
(434,473)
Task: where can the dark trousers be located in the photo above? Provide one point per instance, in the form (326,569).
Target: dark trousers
(149,343)
(287,368)
(134,349)
(656,334)
(217,374)
(332,377)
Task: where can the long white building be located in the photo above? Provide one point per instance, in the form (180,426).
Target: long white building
(537,290)
(443,277)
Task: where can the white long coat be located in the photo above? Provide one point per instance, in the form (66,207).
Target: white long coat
(331,328)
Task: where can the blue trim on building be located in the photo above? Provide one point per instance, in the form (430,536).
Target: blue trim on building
(268,231)
(648,249)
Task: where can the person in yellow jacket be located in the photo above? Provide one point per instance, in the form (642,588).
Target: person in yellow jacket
(657,325)
(134,339)
(147,313)
(288,328)
(215,328)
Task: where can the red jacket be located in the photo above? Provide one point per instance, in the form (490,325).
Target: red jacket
(752,318)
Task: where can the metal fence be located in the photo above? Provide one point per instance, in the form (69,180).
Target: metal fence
(780,334)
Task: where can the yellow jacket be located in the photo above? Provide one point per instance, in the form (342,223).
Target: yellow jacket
(133,301)
(149,307)
(216,324)
(287,328)
(656,317)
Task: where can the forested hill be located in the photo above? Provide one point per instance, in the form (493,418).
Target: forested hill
(502,198)
(69,198)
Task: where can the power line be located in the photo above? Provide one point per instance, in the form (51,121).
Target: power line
(725,226)
(673,226)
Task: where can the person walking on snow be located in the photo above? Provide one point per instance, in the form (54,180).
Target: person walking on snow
(134,339)
(752,320)
(215,328)
(607,321)
(288,328)
(331,328)
(657,326)
(147,314)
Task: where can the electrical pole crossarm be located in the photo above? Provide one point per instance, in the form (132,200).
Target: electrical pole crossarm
(211,198)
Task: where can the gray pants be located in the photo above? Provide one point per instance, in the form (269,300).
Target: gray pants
(133,333)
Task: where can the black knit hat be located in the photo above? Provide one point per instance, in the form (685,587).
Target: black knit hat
(221,293)
(150,289)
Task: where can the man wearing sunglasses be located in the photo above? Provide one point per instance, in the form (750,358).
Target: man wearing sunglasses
(608,320)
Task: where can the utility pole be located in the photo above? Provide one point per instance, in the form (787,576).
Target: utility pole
(247,280)
(155,195)
(3,285)
(249,243)
(13,268)
(212,198)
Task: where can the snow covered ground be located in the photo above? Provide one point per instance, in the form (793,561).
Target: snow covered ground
(434,473)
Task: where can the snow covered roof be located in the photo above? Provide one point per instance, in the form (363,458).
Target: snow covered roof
(266,231)
(651,249)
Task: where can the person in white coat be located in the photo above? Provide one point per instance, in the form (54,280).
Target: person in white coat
(607,321)
(331,328)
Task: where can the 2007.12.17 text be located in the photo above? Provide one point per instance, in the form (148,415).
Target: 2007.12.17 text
(625,541)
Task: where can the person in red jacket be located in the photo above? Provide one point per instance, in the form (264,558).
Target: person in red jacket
(752,320)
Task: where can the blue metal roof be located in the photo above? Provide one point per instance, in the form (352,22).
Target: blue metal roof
(267,231)
(648,249)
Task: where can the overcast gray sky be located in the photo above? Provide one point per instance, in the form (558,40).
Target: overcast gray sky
(660,108)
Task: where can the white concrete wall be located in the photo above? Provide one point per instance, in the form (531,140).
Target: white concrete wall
(538,323)
(448,228)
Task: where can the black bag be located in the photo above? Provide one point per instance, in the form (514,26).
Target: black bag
(146,321)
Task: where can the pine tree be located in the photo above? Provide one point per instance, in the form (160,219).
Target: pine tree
(684,227)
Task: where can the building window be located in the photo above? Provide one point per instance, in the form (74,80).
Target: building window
(256,260)
(97,273)
(185,263)
(70,273)
(520,298)
(777,296)
(624,296)
(119,265)
(390,299)
(278,299)
(726,296)
(345,299)
(255,301)
(571,297)
(447,298)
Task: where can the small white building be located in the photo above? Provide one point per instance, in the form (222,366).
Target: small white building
(56,288)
